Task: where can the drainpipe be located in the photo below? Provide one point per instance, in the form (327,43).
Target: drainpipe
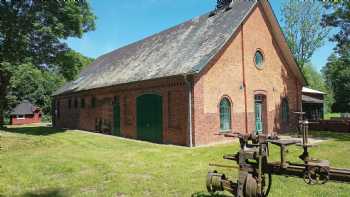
(244,83)
(189,86)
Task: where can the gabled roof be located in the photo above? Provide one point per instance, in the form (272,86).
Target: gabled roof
(24,108)
(183,49)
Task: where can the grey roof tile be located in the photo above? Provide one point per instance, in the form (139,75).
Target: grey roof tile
(24,108)
(184,49)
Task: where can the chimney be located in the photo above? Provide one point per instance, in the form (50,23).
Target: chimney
(223,4)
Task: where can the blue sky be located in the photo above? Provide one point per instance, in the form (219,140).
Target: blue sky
(120,22)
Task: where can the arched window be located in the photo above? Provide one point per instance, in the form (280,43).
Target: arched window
(225,115)
(285,110)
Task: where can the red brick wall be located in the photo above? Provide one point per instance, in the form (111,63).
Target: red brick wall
(225,78)
(29,119)
(173,91)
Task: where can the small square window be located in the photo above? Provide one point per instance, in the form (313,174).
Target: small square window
(20,117)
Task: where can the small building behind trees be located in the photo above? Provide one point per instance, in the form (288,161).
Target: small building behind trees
(313,104)
(25,113)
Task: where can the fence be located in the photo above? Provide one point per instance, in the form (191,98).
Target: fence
(335,124)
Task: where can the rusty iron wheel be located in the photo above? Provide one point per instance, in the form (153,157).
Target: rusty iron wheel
(316,175)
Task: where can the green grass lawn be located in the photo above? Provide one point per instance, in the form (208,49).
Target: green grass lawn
(40,161)
(329,116)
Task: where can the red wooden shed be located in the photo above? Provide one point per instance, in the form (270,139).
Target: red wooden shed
(25,113)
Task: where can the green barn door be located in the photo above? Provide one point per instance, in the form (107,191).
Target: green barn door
(116,119)
(150,118)
(258,118)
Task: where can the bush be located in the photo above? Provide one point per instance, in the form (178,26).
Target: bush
(46,118)
(7,120)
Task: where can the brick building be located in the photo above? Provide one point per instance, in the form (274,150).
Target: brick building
(227,71)
(25,113)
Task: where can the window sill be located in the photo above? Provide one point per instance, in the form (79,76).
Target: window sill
(223,132)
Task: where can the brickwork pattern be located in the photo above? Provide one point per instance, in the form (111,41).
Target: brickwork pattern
(225,78)
(100,117)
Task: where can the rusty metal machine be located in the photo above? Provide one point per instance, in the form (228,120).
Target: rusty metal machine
(255,171)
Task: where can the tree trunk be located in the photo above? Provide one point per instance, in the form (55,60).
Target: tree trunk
(5,76)
(2,108)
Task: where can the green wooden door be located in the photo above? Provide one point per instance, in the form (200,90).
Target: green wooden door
(258,117)
(150,118)
(116,118)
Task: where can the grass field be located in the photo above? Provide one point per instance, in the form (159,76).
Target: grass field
(40,161)
(329,116)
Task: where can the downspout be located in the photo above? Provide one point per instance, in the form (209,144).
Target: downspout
(244,84)
(189,86)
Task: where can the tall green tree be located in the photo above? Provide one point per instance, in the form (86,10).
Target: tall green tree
(301,21)
(339,17)
(32,84)
(5,74)
(337,74)
(70,63)
(33,32)
(316,81)
(337,70)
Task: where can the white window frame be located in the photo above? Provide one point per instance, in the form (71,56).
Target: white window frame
(20,117)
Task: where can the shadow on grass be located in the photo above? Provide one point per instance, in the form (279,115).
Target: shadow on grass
(45,193)
(206,194)
(39,130)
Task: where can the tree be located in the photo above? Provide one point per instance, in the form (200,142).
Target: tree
(33,32)
(337,70)
(4,82)
(337,74)
(302,28)
(70,63)
(32,84)
(339,17)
